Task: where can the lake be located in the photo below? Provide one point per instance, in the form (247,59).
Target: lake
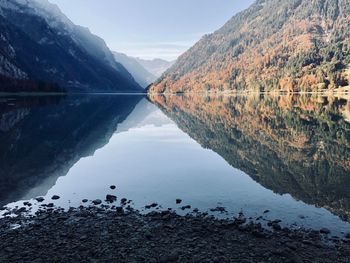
(270,157)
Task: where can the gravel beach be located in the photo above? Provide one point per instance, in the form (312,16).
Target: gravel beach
(95,234)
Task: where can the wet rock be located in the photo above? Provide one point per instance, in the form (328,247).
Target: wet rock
(276,226)
(111,198)
(113,187)
(123,201)
(20,210)
(347,236)
(219,209)
(40,199)
(85,200)
(119,209)
(240,220)
(50,205)
(186,207)
(325,231)
(97,202)
(266,211)
(27,204)
(178,201)
(55,197)
(153,205)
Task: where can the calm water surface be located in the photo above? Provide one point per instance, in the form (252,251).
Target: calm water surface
(287,155)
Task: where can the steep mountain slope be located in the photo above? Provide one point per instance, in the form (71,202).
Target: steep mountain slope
(156,66)
(38,42)
(141,75)
(288,45)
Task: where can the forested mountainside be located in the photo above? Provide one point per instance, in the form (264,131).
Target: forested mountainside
(50,134)
(294,145)
(40,44)
(275,45)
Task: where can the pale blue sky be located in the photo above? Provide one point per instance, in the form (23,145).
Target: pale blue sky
(151,28)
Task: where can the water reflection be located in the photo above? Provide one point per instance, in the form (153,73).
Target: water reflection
(298,145)
(231,152)
(41,138)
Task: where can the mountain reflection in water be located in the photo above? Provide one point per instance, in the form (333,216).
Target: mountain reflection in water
(209,151)
(43,137)
(298,145)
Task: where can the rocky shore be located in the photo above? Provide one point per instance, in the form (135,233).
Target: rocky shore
(95,234)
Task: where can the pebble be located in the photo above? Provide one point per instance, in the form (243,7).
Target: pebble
(85,201)
(325,231)
(151,206)
(113,187)
(276,227)
(119,209)
(97,202)
(178,201)
(186,207)
(40,199)
(55,197)
(218,209)
(111,198)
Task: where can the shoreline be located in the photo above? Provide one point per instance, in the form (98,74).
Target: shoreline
(122,234)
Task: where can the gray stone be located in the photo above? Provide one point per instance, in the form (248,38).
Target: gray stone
(97,202)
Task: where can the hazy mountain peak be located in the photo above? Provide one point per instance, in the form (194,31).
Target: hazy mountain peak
(156,66)
(144,71)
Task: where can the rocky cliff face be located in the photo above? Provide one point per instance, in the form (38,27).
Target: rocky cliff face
(275,45)
(39,43)
(294,145)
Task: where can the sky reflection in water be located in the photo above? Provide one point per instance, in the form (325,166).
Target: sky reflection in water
(150,159)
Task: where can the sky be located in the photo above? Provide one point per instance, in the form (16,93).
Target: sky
(151,28)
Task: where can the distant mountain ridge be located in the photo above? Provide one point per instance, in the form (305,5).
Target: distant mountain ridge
(156,66)
(144,71)
(140,74)
(274,45)
(38,42)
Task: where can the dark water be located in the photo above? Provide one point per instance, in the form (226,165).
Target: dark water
(289,155)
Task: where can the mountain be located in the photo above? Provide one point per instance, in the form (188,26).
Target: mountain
(297,145)
(156,66)
(141,75)
(274,45)
(40,44)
